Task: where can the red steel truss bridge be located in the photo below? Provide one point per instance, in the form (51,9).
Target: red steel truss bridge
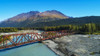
(12,40)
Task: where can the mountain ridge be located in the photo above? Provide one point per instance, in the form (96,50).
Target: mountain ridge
(47,18)
(32,15)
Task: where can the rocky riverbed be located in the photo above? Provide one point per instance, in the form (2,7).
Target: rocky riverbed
(75,45)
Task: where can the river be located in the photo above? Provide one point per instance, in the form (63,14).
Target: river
(36,49)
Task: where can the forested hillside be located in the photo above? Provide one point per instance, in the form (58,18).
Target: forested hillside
(70,21)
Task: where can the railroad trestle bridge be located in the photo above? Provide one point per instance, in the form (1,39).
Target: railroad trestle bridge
(12,40)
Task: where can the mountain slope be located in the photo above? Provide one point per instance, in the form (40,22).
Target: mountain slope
(33,17)
(70,21)
(23,16)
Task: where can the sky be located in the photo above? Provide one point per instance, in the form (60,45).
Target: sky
(73,8)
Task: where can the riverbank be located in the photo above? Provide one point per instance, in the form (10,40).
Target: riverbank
(52,45)
(75,45)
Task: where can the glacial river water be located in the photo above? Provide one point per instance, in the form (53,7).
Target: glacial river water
(37,49)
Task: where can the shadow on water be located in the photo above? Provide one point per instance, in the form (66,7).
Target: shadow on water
(1,50)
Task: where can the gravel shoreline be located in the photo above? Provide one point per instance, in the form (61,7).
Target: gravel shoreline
(75,45)
(52,45)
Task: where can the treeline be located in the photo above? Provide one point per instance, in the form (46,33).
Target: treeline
(8,29)
(14,29)
(89,28)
